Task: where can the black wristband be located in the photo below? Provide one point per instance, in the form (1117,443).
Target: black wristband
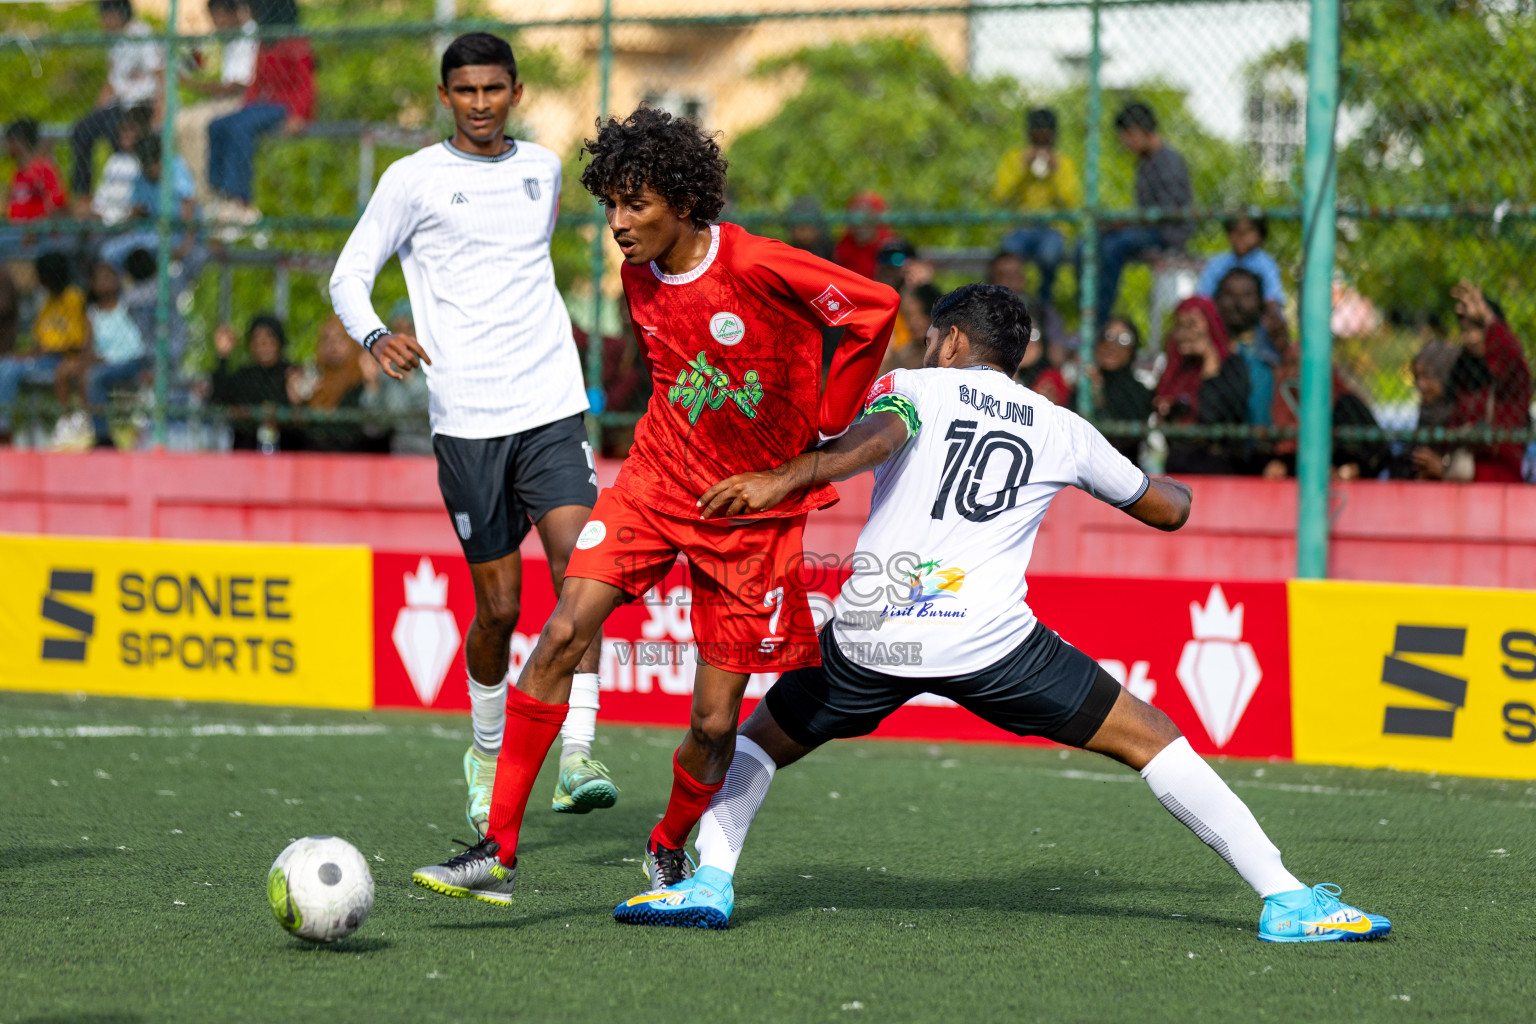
(373,338)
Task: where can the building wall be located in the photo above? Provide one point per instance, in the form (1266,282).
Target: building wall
(709,62)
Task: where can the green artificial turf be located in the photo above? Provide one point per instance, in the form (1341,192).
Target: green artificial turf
(883,881)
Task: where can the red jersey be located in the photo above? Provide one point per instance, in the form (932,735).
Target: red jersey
(285,75)
(36,191)
(734,349)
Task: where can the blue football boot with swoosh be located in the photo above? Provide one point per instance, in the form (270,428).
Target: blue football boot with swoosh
(1317,915)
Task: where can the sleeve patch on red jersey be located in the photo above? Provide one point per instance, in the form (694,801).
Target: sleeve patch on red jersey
(833,305)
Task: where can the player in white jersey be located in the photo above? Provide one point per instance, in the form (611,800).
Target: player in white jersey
(968,461)
(471,219)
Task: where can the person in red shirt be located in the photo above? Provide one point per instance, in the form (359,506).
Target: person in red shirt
(860,245)
(730,325)
(1490,383)
(282,94)
(37,189)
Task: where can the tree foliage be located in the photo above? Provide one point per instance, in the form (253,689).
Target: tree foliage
(1439,108)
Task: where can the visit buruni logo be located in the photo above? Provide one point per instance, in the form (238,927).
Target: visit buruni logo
(1448,690)
(72,582)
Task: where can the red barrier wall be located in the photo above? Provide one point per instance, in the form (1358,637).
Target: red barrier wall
(1242,528)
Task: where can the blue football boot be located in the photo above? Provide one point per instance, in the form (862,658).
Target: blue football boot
(1317,915)
(702,901)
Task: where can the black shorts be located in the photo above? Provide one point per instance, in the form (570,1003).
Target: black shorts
(496,488)
(1043,687)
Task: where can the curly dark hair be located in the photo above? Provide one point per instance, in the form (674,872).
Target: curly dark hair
(673,156)
(992,316)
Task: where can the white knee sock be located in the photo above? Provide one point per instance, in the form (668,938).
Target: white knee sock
(488,715)
(1195,794)
(580,727)
(723,829)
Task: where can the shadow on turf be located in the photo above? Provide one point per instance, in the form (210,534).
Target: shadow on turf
(1027,892)
(20,857)
(355,945)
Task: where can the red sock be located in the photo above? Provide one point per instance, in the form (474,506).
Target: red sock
(690,799)
(532,727)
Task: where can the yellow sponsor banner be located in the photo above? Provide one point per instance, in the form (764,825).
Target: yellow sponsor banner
(262,624)
(1436,679)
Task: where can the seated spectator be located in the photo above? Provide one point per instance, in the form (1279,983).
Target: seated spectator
(914,319)
(63,330)
(281,93)
(263,381)
(1035,179)
(403,403)
(37,191)
(893,265)
(113,202)
(237,69)
(339,385)
(806,230)
(145,205)
(1037,372)
(1162,182)
(122,358)
(1239,303)
(1007,269)
(861,243)
(1204,384)
(1118,397)
(1351,459)
(1246,236)
(135,79)
(1437,408)
(1490,383)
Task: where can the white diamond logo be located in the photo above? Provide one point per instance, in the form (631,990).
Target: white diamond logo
(1218,668)
(425,634)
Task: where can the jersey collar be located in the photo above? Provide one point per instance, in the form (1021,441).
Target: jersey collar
(698,271)
(476,157)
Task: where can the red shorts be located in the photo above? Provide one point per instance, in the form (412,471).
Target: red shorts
(749,611)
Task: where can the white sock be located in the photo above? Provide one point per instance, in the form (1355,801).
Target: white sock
(723,828)
(1195,794)
(488,715)
(580,727)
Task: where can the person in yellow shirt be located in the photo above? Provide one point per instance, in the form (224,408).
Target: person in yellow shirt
(1036,178)
(62,335)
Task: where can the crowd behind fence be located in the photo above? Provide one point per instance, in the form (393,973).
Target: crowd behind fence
(1133,168)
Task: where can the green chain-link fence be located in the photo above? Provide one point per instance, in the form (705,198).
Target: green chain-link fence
(926,106)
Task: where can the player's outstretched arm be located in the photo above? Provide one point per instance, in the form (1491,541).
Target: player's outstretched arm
(866,445)
(1165,504)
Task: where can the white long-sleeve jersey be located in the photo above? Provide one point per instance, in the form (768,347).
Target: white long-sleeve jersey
(473,237)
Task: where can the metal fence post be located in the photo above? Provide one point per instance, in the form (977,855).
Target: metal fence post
(595,338)
(163,226)
(1088,285)
(1315,448)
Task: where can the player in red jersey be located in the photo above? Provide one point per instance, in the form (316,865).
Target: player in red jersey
(730,325)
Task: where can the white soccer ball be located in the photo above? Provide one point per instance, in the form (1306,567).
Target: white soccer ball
(320,888)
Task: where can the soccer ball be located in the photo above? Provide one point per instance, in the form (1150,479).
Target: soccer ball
(320,888)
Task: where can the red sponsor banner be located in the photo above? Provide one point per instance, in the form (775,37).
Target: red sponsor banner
(1213,656)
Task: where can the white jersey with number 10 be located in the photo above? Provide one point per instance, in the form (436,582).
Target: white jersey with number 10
(954,514)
